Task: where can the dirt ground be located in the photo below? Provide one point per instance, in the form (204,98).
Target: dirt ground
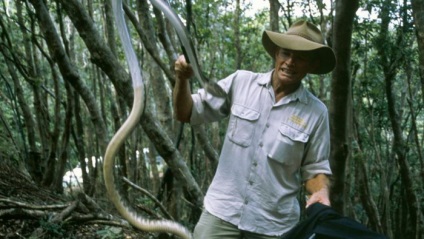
(28,211)
(26,228)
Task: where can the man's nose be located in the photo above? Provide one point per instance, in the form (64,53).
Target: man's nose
(290,60)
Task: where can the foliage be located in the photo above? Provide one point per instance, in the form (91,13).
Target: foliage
(54,230)
(110,232)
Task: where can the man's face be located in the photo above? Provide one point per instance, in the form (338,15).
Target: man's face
(292,66)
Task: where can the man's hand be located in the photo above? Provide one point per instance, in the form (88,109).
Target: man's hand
(183,70)
(318,187)
(320,196)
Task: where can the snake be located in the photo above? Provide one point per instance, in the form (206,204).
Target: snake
(122,205)
(188,48)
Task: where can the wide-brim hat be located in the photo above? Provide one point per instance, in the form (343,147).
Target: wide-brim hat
(301,36)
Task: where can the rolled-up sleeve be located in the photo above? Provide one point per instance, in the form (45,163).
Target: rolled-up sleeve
(316,159)
(209,108)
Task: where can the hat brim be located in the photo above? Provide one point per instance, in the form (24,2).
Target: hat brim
(326,57)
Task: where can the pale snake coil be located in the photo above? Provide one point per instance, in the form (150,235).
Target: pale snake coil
(121,135)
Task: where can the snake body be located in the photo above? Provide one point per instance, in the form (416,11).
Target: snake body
(121,135)
(188,48)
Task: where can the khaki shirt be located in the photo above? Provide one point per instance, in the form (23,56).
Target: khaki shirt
(269,150)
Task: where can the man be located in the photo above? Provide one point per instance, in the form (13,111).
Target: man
(277,138)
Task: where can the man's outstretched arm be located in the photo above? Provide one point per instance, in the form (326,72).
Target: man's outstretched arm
(182,101)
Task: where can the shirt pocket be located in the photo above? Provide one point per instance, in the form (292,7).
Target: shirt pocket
(242,125)
(289,146)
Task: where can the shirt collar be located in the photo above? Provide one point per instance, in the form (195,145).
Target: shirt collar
(265,80)
(300,94)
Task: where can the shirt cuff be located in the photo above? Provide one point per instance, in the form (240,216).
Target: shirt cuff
(309,171)
(197,109)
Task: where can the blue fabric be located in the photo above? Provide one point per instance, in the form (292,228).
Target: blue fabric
(325,223)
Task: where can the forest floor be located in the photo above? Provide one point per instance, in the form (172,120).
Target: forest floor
(29,211)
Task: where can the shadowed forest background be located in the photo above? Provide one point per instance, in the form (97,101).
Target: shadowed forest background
(65,90)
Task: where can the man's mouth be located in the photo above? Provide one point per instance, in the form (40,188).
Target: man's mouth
(287,71)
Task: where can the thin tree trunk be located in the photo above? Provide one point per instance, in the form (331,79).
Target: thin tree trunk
(109,27)
(41,115)
(274,8)
(236,27)
(361,175)
(26,112)
(64,155)
(49,172)
(340,98)
(418,14)
(78,136)
(400,149)
(414,130)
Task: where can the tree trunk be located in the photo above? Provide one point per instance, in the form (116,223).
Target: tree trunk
(78,136)
(400,149)
(418,14)
(26,112)
(274,8)
(236,27)
(361,175)
(49,171)
(109,27)
(64,154)
(340,98)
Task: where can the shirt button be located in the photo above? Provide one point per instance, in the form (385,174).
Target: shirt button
(245,201)
(261,144)
(267,125)
(255,163)
(251,182)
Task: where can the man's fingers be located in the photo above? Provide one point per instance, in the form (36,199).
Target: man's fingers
(182,68)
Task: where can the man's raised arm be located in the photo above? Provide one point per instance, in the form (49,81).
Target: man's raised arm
(182,101)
